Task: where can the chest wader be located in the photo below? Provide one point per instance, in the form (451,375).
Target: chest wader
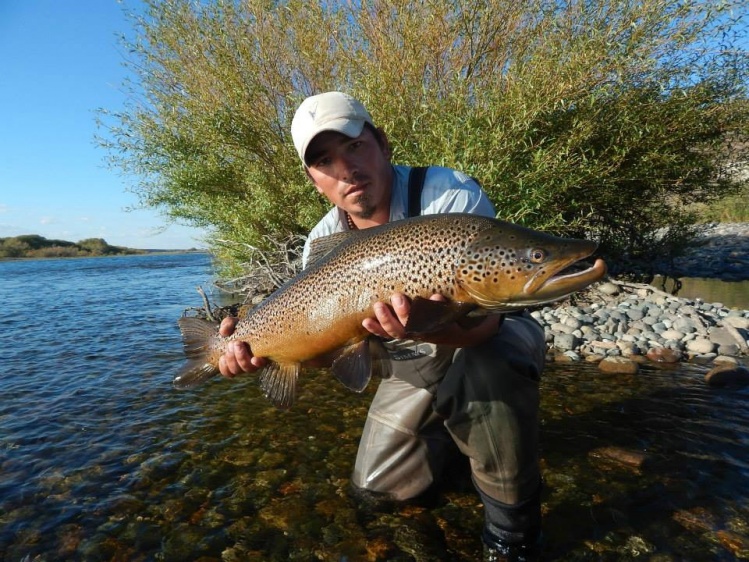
(482,399)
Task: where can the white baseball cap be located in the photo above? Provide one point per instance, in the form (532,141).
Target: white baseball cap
(331,111)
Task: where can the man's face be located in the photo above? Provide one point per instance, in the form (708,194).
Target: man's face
(354,174)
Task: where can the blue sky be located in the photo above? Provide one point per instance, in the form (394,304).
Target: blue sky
(59,62)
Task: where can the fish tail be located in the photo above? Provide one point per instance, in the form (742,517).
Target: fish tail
(197,338)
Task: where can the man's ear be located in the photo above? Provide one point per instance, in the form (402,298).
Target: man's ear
(385,144)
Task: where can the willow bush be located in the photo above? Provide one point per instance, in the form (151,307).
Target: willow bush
(598,118)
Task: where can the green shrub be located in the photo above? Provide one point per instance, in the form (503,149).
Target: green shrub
(734,208)
(13,248)
(600,118)
(56,252)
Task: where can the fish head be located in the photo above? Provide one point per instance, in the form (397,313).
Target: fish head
(506,267)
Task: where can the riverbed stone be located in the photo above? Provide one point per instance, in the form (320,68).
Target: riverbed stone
(700,346)
(722,336)
(663,355)
(572,355)
(738,322)
(628,457)
(563,358)
(635,314)
(728,349)
(565,342)
(618,365)
(725,360)
(561,328)
(672,334)
(571,322)
(609,288)
(627,348)
(686,325)
(728,376)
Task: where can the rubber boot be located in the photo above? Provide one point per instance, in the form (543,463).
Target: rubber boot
(512,533)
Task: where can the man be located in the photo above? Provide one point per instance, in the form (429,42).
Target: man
(476,388)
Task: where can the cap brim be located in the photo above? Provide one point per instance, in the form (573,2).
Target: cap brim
(352,128)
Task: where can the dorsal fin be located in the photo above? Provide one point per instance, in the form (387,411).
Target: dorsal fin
(321,247)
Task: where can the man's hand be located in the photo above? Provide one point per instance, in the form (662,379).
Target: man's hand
(238,358)
(390,323)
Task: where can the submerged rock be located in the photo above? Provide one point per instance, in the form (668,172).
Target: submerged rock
(626,457)
(619,365)
(728,376)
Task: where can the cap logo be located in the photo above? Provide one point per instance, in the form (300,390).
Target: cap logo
(313,112)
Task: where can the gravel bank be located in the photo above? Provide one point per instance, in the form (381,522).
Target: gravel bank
(620,324)
(721,251)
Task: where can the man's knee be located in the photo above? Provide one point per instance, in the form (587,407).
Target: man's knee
(521,341)
(402,443)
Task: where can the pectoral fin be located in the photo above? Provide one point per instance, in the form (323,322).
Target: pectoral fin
(429,316)
(356,363)
(278,382)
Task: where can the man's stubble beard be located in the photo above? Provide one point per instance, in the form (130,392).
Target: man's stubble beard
(367,208)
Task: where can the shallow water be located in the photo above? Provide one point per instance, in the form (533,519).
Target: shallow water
(101,459)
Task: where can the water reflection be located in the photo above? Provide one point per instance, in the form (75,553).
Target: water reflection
(733,294)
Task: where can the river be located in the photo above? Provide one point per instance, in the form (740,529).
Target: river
(101,459)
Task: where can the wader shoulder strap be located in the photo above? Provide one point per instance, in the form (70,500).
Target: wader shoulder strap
(415,185)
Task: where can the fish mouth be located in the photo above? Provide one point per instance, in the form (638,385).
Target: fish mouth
(558,286)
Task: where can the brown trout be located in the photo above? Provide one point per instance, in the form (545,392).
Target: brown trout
(481,265)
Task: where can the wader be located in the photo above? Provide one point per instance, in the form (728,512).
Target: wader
(485,400)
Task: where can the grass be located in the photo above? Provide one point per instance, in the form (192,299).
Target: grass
(730,209)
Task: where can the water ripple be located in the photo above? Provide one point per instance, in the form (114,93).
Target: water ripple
(102,459)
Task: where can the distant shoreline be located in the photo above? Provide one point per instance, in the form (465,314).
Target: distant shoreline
(36,246)
(132,253)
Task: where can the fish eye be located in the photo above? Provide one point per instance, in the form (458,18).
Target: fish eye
(537,256)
